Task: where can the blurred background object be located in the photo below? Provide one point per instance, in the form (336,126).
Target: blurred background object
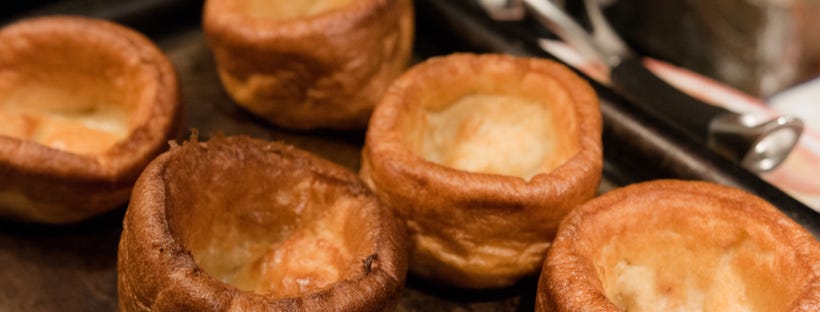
(758,46)
(769,49)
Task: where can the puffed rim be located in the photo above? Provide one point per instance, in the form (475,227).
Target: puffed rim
(172,281)
(237,29)
(120,165)
(395,164)
(569,282)
(400,177)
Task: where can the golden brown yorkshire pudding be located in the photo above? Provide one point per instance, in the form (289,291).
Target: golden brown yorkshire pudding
(680,246)
(238,224)
(309,64)
(84,106)
(482,156)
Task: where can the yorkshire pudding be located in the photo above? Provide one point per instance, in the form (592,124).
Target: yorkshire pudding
(680,246)
(482,156)
(309,64)
(84,106)
(238,224)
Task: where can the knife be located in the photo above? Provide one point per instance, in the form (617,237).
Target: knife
(755,143)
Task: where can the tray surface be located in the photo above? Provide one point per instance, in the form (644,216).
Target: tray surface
(73,268)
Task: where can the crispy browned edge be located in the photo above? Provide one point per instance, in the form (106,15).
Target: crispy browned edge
(342,59)
(157,273)
(569,281)
(416,187)
(76,186)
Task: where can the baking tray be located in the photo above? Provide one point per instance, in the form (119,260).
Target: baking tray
(73,268)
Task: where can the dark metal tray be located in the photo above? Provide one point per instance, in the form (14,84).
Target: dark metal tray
(73,268)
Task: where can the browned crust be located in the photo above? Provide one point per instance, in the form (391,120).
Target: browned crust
(326,71)
(157,273)
(69,187)
(569,280)
(469,211)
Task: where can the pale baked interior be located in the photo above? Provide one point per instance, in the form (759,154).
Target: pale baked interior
(494,134)
(666,256)
(506,130)
(68,94)
(264,227)
(287,9)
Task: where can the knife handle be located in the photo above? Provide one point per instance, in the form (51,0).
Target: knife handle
(661,99)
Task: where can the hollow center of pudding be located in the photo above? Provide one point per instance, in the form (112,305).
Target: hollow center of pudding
(281,10)
(500,134)
(265,229)
(311,257)
(63,94)
(689,261)
(86,128)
